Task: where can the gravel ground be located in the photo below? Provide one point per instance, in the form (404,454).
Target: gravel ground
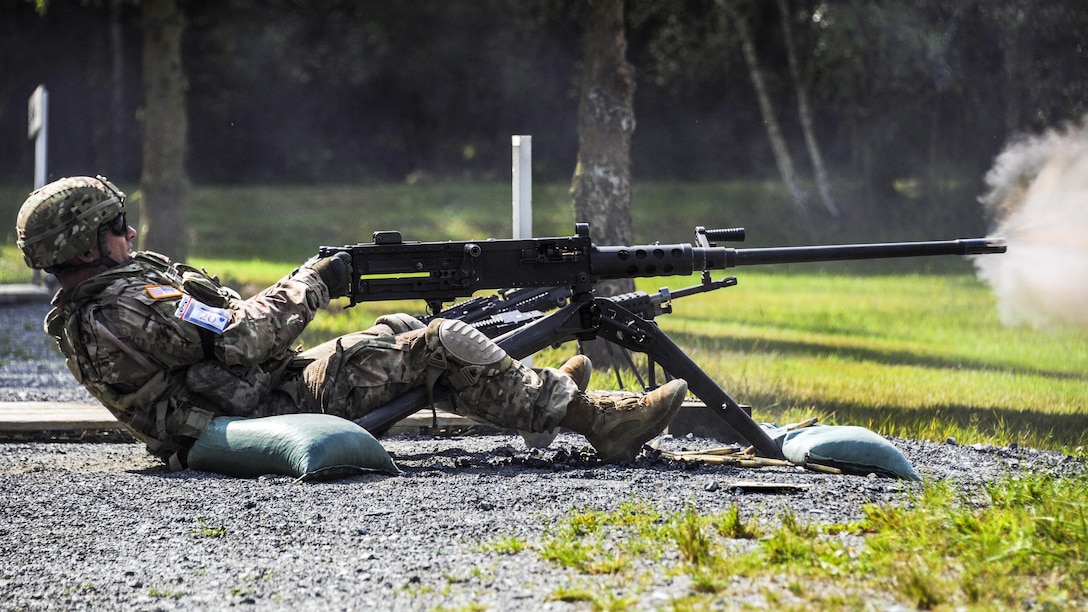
(31,368)
(104,526)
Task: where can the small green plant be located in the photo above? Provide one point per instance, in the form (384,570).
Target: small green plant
(572,594)
(706,580)
(510,545)
(164,594)
(689,531)
(80,588)
(208,531)
(599,600)
(585,540)
(241,590)
(729,524)
(472,607)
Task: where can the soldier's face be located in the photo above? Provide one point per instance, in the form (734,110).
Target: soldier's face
(120,242)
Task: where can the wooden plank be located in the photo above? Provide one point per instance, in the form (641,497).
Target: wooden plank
(54,416)
(72,416)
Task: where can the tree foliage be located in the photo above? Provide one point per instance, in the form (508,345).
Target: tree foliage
(350,90)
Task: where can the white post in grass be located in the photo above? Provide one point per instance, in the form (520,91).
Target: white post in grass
(522,172)
(523,186)
(38,131)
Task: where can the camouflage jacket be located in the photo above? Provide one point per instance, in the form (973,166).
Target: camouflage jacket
(165,377)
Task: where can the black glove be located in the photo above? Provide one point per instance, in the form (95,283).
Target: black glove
(335,270)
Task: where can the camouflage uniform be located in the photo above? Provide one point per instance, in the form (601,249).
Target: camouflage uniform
(165,378)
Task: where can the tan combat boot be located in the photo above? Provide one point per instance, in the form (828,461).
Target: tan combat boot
(617,425)
(579,368)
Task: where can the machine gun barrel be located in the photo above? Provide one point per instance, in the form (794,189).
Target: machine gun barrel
(883,250)
(612,262)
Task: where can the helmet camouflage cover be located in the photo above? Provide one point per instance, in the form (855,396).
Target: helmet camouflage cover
(61,220)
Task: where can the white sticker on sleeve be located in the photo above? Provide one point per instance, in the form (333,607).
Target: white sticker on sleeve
(193,311)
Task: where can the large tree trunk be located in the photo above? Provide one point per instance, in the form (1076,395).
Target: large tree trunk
(601,187)
(164,183)
(823,185)
(766,108)
(117,88)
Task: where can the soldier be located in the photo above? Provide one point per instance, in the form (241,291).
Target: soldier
(166,348)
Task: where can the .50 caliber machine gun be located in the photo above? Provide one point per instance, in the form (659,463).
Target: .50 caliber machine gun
(563,270)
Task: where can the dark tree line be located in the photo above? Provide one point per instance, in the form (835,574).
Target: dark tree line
(363,90)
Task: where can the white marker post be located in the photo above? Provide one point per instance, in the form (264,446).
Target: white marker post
(38,131)
(522,157)
(523,186)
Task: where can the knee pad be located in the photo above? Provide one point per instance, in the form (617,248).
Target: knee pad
(399,322)
(464,353)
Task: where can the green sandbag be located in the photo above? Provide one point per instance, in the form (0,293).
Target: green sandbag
(307,446)
(855,450)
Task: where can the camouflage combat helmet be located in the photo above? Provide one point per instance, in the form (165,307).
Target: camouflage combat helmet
(64,219)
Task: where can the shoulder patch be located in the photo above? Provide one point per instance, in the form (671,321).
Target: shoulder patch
(160,292)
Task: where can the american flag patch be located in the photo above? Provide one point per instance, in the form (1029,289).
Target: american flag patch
(158,292)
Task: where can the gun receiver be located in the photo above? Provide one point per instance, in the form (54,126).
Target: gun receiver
(560,273)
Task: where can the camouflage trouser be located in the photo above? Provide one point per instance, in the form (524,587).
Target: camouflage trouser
(356,373)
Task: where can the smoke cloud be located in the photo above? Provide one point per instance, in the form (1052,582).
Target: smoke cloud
(1039,198)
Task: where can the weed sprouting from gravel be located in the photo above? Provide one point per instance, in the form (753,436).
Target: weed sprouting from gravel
(506,546)
(730,524)
(205,530)
(690,531)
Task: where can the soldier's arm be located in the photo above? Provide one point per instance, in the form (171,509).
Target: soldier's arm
(139,330)
(269,323)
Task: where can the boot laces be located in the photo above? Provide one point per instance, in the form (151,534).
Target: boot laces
(607,402)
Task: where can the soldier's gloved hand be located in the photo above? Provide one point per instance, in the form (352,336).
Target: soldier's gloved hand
(335,270)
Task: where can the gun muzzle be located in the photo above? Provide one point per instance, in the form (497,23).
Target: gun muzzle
(982,246)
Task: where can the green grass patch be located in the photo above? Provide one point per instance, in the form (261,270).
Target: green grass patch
(287,224)
(12,267)
(506,546)
(1024,540)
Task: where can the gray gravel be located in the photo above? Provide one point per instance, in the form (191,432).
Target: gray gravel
(31,368)
(103,526)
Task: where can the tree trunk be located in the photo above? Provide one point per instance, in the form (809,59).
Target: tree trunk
(766,109)
(164,183)
(823,185)
(601,187)
(1015,56)
(117,88)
